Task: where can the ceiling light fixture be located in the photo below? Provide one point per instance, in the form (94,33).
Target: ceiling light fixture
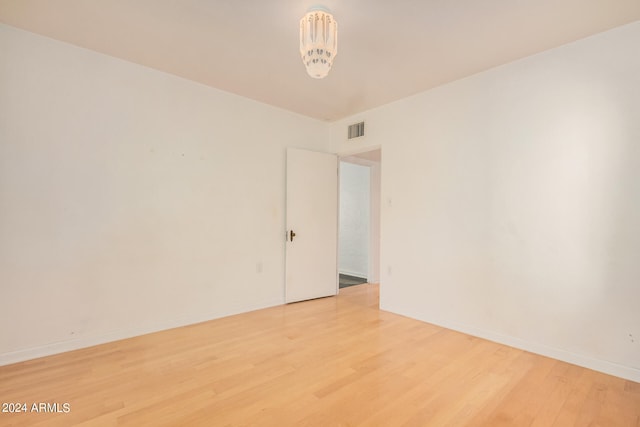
(318,41)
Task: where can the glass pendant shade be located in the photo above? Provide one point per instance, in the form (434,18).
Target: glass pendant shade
(318,42)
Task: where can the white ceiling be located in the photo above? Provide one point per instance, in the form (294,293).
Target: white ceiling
(387,49)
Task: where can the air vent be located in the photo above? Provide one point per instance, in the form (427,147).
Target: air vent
(356,130)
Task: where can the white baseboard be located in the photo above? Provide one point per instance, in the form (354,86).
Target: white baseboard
(101,338)
(604,366)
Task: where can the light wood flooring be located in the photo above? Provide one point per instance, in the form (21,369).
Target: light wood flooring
(328,362)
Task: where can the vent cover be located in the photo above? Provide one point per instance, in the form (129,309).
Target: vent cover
(356,130)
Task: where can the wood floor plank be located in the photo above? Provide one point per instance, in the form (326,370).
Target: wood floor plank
(329,362)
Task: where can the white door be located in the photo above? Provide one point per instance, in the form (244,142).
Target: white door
(312,225)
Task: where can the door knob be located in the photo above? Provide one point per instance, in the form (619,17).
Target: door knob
(291,235)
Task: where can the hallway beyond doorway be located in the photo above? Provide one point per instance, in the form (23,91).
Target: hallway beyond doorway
(345,280)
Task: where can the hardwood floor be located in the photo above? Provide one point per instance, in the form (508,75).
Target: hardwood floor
(328,362)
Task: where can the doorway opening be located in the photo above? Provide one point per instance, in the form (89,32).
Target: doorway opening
(359,219)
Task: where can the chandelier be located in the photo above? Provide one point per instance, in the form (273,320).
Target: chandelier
(318,41)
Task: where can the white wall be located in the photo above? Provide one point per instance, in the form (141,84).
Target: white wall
(131,200)
(511,202)
(353,242)
(374,239)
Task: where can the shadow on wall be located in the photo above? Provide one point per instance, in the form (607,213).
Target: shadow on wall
(619,250)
